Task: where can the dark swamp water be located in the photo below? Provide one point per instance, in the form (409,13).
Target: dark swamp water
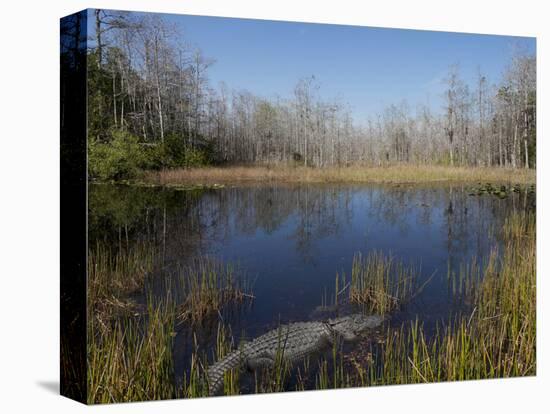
(290,241)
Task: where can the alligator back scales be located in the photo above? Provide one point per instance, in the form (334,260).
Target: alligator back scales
(293,341)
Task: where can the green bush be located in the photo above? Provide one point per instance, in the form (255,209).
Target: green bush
(123,157)
(173,151)
(177,154)
(196,158)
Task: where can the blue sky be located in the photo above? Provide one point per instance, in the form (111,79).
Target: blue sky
(366,67)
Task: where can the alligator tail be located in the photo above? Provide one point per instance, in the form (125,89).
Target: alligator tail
(216,371)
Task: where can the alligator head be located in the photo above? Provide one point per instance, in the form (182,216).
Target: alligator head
(352,326)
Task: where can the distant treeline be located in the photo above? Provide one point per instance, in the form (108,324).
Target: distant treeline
(150,97)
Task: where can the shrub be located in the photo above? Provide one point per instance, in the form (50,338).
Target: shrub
(124,157)
(196,158)
(121,158)
(176,153)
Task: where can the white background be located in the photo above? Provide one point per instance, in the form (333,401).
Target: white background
(29,204)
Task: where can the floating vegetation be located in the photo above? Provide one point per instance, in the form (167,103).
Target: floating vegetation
(500,191)
(191,187)
(173,186)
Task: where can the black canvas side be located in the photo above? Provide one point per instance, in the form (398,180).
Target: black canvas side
(73,125)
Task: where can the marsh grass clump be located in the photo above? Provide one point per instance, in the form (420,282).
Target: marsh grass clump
(113,276)
(496,339)
(380,283)
(464,284)
(133,360)
(130,355)
(341,369)
(207,286)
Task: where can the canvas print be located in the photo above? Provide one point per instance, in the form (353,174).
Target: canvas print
(253,206)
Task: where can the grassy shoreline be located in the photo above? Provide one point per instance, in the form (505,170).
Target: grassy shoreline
(394,174)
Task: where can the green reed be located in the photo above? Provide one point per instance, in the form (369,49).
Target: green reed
(133,360)
(130,354)
(496,339)
(114,274)
(207,286)
(381,283)
(224,345)
(336,377)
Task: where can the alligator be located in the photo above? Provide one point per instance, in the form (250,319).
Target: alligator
(292,342)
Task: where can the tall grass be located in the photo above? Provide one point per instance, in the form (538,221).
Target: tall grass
(462,285)
(133,361)
(496,339)
(334,376)
(130,356)
(399,173)
(207,286)
(113,275)
(381,283)
(503,320)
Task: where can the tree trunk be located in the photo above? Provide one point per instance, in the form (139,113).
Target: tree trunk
(305,140)
(526,153)
(98,38)
(159,98)
(114,100)
(525,133)
(515,145)
(500,158)
(451,152)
